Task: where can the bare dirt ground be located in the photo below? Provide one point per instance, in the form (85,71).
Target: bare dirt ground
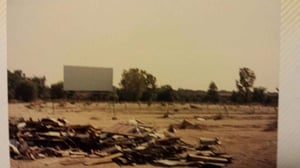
(240,129)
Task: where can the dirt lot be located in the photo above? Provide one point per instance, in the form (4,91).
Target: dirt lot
(240,128)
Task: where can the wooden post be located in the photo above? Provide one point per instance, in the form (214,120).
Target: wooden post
(53,106)
(114,117)
(114,112)
(167,107)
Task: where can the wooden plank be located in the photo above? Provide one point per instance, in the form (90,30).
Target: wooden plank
(206,153)
(72,161)
(214,165)
(76,156)
(228,157)
(171,163)
(207,159)
(77,153)
(107,159)
(210,141)
(126,134)
(51,161)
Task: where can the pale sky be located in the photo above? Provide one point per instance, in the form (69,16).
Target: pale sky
(184,43)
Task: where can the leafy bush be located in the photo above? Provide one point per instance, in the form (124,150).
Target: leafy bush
(26,91)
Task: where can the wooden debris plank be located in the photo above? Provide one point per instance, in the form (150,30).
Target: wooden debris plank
(103,160)
(228,157)
(100,153)
(209,141)
(125,134)
(207,159)
(225,156)
(77,153)
(186,124)
(113,149)
(72,162)
(77,156)
(214,165)
(206,153)
(171,163)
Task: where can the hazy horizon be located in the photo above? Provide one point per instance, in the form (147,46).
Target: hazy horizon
(186,44)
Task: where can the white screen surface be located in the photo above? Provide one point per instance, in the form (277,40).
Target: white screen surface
(78,78)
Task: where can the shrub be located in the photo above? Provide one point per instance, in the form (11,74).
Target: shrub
(26,91)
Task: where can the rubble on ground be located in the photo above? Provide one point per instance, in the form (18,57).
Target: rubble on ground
(128,143)
(186,124)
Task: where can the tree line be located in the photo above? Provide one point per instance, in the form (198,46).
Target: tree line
(139,85)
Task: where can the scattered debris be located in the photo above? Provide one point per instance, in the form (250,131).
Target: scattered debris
(194,107)
(94,118)
(129,143)
(107,159)
(199,118)
(186,124)
(172,129)
(218,116)
(210,141)
(272,126)
(166,115)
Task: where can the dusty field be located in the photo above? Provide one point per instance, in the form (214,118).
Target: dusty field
(241,128)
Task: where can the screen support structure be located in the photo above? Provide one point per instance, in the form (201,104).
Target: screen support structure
(95,96)
(108,96)
(96,82)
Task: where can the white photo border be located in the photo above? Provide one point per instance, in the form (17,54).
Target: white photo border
(289,89)
(4,147)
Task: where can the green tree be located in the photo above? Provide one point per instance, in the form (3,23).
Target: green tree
(187,95)
(17,77)
(235,97)
(166,93)
(135,83)
(245,84)
(13,80)
(57,91)
(26,91)
(42,89)
(259,95)
(212,93)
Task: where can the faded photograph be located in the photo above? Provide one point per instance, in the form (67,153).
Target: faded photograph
(143,83)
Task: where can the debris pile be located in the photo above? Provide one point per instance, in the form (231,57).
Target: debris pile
(127,143)
(186,124)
